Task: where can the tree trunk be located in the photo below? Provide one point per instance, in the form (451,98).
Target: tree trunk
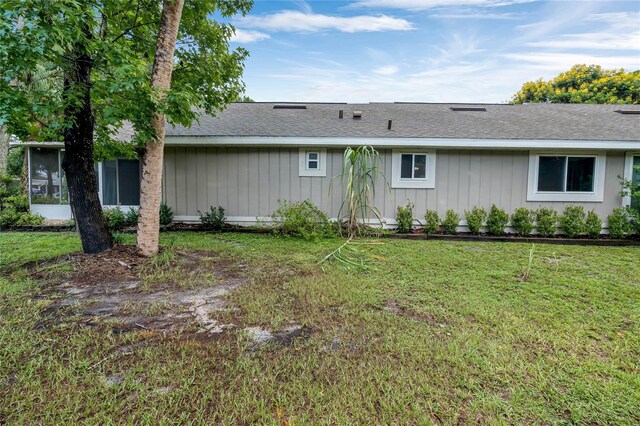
(151,181)
(78,163)
(4,149)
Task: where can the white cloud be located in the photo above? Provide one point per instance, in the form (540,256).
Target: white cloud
(248,36)
(604,41)
(386,70)
(294,21)
(468,14)
(417,5)
(564,61)
(621,33)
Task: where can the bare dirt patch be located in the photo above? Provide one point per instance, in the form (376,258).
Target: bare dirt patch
(177,292)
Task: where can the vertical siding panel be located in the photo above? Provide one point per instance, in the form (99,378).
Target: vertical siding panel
(285,176)
(390,196)
(486,177)
(181,182)
(170,178)
(226,174)
(264,176)
(195,191)
(514,183)
(234,191)
(296,187)
(464,165)
(211,176)
(443,159)
(275,185)
(201,182)
(247,185)
(454,182)
(337,191)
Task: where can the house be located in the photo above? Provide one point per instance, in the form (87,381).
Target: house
(438,156)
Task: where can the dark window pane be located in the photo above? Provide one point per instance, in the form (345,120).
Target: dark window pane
(109,183)
(551,174)
(129,182)
(45,176)
(313,156)
(406,167)
(313,164)
(420,167)
(580,171)
(635,178)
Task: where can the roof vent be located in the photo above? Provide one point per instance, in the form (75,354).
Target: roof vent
(467,109)
(628,111)
(357,114)
(289,106)
(341,113)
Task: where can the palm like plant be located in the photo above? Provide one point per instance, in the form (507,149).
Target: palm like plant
(360,170)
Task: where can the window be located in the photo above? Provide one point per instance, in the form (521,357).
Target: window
(313,162)
(120,182)
(413,166)
(569,177)
(47,182)
(313,159)
(413,169)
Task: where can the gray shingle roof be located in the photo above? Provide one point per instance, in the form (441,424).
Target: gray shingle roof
(531,121)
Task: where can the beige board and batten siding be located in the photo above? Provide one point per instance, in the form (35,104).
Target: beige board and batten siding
(250,182)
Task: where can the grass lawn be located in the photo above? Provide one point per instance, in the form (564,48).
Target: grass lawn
(432,332)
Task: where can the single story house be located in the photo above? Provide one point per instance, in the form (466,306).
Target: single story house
(437,156)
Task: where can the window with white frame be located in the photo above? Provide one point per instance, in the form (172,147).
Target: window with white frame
(413,169)
(313,162)
(566,177)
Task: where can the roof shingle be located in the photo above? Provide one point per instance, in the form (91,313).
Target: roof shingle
(416,120)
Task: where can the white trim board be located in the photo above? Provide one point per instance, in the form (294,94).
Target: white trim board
(338,142)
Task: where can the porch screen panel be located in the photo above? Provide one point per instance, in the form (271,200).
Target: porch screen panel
(109,183)
(45,176)
(129,182)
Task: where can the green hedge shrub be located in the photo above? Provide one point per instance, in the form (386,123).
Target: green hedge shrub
(475,219)
(213,219)
(166,214)
(593,224)
(619,224)
(431,222)
(404,218)
(131,217)
(572,221)
(303,220)
(546,221)
(450,222)
(522,221)
(497,220)
(115,219)
(634,219)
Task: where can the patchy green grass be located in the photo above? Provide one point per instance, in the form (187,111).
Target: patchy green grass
(432,332)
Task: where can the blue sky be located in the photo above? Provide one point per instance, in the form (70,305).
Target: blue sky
(427,50)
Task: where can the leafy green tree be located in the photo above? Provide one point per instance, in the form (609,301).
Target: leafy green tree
(100,55)
(584,84)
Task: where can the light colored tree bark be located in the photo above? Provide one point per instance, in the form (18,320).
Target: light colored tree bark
(4,149)
(151,181)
